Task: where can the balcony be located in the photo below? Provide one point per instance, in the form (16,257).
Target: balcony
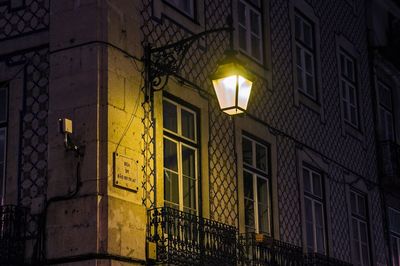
(258,251)
(186,239)
(390,164)
(268,251)
(12,235)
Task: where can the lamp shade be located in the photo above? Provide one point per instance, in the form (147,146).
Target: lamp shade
(232,85)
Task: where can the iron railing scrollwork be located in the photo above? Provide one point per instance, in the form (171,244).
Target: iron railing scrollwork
(12,234)
(187,239)
(272,252)
(268,252)
(316,259)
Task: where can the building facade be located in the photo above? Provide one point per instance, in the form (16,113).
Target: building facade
(384,37)
(166,176)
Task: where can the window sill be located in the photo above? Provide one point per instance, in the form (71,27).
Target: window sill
(192,24)
(254,66)
(353,132)
(311,104)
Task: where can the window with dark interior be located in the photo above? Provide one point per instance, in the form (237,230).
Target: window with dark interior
(314,208)
(360,223)
(249,28)
(181,148)
(256,181)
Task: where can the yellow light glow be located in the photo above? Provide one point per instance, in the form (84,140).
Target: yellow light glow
(244,92)
(225,88)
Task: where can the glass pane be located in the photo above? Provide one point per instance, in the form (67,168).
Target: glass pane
(247,148)
(255,22)
(350,69)
(310,236)
(298,57)
(189,193)
(309,223)
(394,220)
(248,185)
(319,224)
(361,206)
(188,124)
(308,210)
(342,65)
(353,202)
(170,155)
(184,5)
(171,187)
(170,116)
(249,213)
(188,162)
(317,186)
(261,157)
(355,229)
(319,215)
(309,63)
(262,196)
(297,27)
(356,247)
(308,35)
(307,182)
(242,38)
(241,13)
(300,79)
(255,47)
(310,85)
(3,104)
(363,232)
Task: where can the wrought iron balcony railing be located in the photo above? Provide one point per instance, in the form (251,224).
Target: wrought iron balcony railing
(253,251)
(187,239)
(390,163)
(12,235)
(270,252)
(315,259)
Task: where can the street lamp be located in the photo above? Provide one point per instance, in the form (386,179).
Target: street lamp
(232,82)
(232,85)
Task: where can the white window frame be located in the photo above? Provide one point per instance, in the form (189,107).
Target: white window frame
(315,199)
(3,128)
(358,219)
(247,27)
(255,175)
(177,138)
(394,236)
(176,4)
(386,112)
(348,87)
(304,49)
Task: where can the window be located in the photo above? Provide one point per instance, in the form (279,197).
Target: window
(359,222)
(348,85)
(256,186)
(394,227)
(185,6)
(305,56)
(249,28)
(180,157)
(314,210)
(3,136)
(385,111)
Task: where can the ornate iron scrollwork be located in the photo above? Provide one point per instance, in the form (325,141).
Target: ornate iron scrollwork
(167,60)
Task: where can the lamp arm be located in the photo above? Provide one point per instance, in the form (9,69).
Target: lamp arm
(167,60)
